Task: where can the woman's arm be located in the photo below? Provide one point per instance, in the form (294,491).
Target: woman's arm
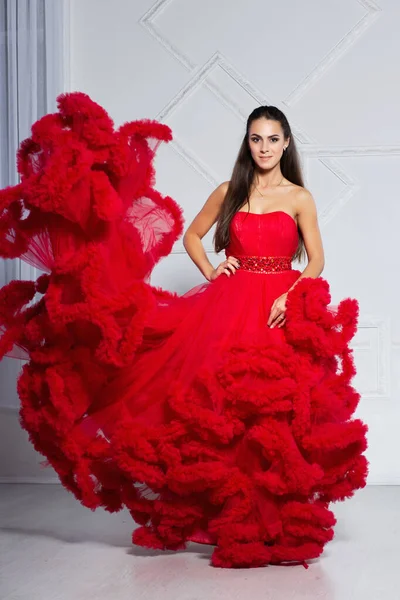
(307,219)
(200,225)
(308,223)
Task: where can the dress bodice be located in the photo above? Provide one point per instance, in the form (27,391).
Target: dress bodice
(269,234)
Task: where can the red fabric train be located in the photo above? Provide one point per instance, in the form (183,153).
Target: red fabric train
(134,398)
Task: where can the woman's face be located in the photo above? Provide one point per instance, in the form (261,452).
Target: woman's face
(266,142)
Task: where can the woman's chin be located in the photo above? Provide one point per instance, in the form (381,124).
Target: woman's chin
(263,167)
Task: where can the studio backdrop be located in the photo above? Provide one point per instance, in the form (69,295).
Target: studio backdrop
(202,67)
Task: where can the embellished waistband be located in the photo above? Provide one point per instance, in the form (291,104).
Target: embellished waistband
(265,264)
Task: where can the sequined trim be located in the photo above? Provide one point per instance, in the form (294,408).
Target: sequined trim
(265,264)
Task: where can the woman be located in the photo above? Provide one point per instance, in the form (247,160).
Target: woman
(222,415)
(265,144)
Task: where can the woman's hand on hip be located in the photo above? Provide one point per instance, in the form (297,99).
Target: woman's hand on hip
(228,267)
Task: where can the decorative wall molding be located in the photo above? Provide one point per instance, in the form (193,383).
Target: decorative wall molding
(342,46)
(321,151)
(147,21)
(382,325)
(373,11)
(308,148)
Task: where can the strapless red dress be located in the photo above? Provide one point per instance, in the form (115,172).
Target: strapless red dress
(189,410)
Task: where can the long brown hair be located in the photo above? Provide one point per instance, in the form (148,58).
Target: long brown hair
(239,188)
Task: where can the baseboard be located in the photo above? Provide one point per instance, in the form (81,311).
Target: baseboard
(55,480)
(30,480)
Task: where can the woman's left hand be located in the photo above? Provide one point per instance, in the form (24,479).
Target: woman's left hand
(277,314)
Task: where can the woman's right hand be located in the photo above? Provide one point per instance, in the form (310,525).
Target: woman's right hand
(228,267)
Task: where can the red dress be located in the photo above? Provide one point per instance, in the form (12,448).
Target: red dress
(189,410)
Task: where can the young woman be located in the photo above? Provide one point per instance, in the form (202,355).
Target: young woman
(257,182)
(222,415)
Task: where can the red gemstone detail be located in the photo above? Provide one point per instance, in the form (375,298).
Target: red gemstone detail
(265,264)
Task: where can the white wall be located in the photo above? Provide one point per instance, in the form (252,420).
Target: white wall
(202,66)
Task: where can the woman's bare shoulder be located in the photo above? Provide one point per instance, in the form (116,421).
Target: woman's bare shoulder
(217,196)
(224,186)
(219,193)
(303,200)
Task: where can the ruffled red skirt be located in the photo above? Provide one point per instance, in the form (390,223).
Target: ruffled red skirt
(188,410)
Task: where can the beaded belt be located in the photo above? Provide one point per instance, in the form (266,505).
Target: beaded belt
(265,264)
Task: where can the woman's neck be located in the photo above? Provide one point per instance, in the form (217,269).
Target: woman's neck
(270,179)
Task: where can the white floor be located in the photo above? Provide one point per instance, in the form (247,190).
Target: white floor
(52,548)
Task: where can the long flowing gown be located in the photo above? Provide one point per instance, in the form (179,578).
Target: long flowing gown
(188,410)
